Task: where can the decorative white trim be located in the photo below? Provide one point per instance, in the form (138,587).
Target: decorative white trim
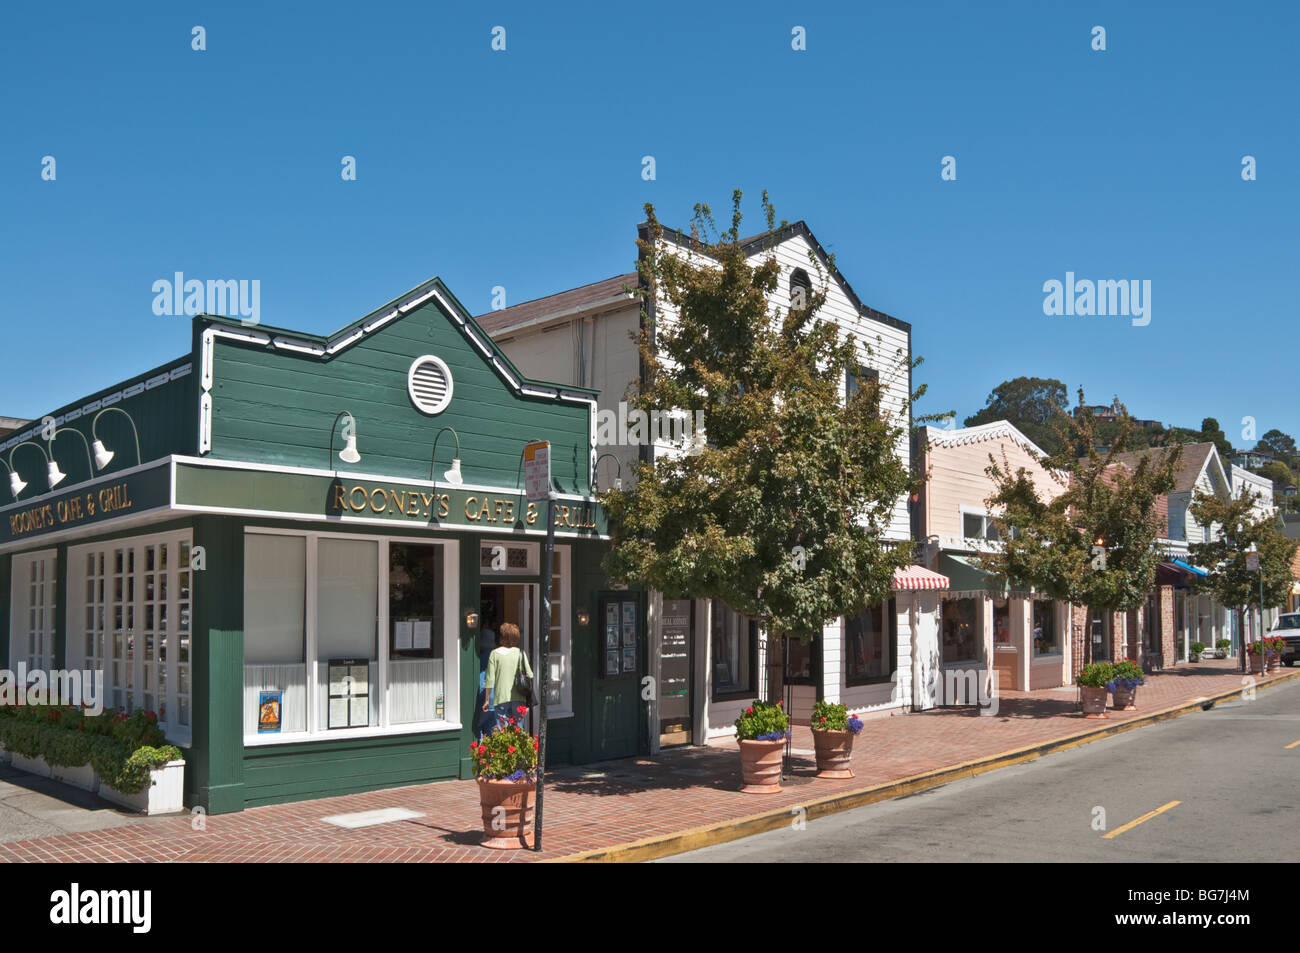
(939,437)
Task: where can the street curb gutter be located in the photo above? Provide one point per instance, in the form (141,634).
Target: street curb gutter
(694,838)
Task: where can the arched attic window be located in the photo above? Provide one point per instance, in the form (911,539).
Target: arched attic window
(800,289)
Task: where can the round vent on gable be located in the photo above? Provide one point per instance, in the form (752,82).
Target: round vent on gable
(429,384)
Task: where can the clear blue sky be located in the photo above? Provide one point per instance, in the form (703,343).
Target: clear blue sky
(523,169)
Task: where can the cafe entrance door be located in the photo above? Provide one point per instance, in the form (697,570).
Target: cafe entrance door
(676,649)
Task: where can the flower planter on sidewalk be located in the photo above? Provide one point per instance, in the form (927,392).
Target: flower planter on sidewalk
(36,766)
(80,776)
(760,766)
(507,808)
(163,795)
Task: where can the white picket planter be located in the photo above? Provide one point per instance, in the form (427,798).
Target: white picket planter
(164,795)
(36,766)
(82,776)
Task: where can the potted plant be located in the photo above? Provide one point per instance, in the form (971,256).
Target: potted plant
(505,764)
(833,731)
(1274,655)
(1197,649)
(1092,683)
(1222,646)
(1260,650)
(1126,676)
(761,732)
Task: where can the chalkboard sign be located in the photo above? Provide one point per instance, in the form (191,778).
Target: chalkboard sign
(675,664)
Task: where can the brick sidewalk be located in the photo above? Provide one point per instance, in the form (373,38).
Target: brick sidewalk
(599,806)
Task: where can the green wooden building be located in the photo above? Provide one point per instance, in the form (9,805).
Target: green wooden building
(294,549)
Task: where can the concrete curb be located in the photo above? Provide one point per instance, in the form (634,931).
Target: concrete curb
(679,842)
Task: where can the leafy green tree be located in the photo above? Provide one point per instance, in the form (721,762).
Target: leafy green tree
(1211,431)
(781,512)
(1280,474)
(1280,445)
(1229,580)
(1035,405)
(1094,543)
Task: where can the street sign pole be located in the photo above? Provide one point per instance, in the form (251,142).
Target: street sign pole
(537,477)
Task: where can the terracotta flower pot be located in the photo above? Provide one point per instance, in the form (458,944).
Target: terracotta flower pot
(507,813)
(1094,700)
(834,749)
(1122,699)
(1256,664)
(760,766)
(1274,661)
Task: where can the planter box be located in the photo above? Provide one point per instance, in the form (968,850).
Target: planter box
(5,756)
(36,766)
(164,795)
(82,776)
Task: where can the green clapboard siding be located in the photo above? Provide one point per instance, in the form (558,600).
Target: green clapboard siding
(278,407)
(166,417)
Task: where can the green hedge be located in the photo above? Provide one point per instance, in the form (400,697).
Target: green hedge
(121,748)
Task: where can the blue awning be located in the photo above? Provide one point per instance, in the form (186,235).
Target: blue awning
(1182,565)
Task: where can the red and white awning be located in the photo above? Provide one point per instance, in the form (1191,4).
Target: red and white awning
(918,577)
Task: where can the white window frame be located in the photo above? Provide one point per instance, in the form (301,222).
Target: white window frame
(564,612)
(450,645)
(20,630)
(76,635)
(533,568)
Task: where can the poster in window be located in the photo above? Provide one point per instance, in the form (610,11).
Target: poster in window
(349,693)
(611,614)
(629,614)
(611,635)
(270,712)
(629,660)
(611,662)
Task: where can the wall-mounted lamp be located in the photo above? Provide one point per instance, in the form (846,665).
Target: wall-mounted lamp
(16,483)
(584,617)
(471,619)
(104,456)
(349,452)
(618,480)
(57,476)
(453,475)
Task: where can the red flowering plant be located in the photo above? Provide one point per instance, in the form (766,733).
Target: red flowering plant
(832,716)
(507,754)
(763,721)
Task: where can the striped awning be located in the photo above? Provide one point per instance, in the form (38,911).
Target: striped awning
(918,577)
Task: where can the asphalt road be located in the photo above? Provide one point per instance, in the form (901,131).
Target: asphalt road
(1229,768)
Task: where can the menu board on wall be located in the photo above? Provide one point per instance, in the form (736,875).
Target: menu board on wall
(675,661)
(622,634)
(349,693)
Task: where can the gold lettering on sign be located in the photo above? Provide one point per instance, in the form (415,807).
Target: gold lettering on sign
(532,513)
(413,507)
(470,513)
(352,498)
(428,499)
(444,504)
(399,500)
(339,494)
(383,496)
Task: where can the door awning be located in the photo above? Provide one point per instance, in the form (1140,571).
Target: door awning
(965,575)
(918,577)
(1182,565)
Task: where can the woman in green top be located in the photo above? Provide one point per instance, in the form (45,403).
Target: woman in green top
(503,663)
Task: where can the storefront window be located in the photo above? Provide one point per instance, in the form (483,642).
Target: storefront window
(734,646)
(360,680)
(871,645)
(415,614)
(1001,621)
(1098,632)
(129,615)
(803,661)
(1180,643)
(275,653)
(32,639)
(961,630)
(1151,630)
(1044,630)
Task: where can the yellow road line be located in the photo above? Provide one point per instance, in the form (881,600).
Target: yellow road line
(1292,745)
(1145,817)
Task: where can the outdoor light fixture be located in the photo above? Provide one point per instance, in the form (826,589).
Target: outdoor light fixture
(583,617)
(349,452)
(618,480)
(52,471)
(453,475)
(16,485)
(104,456)
(471,619)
